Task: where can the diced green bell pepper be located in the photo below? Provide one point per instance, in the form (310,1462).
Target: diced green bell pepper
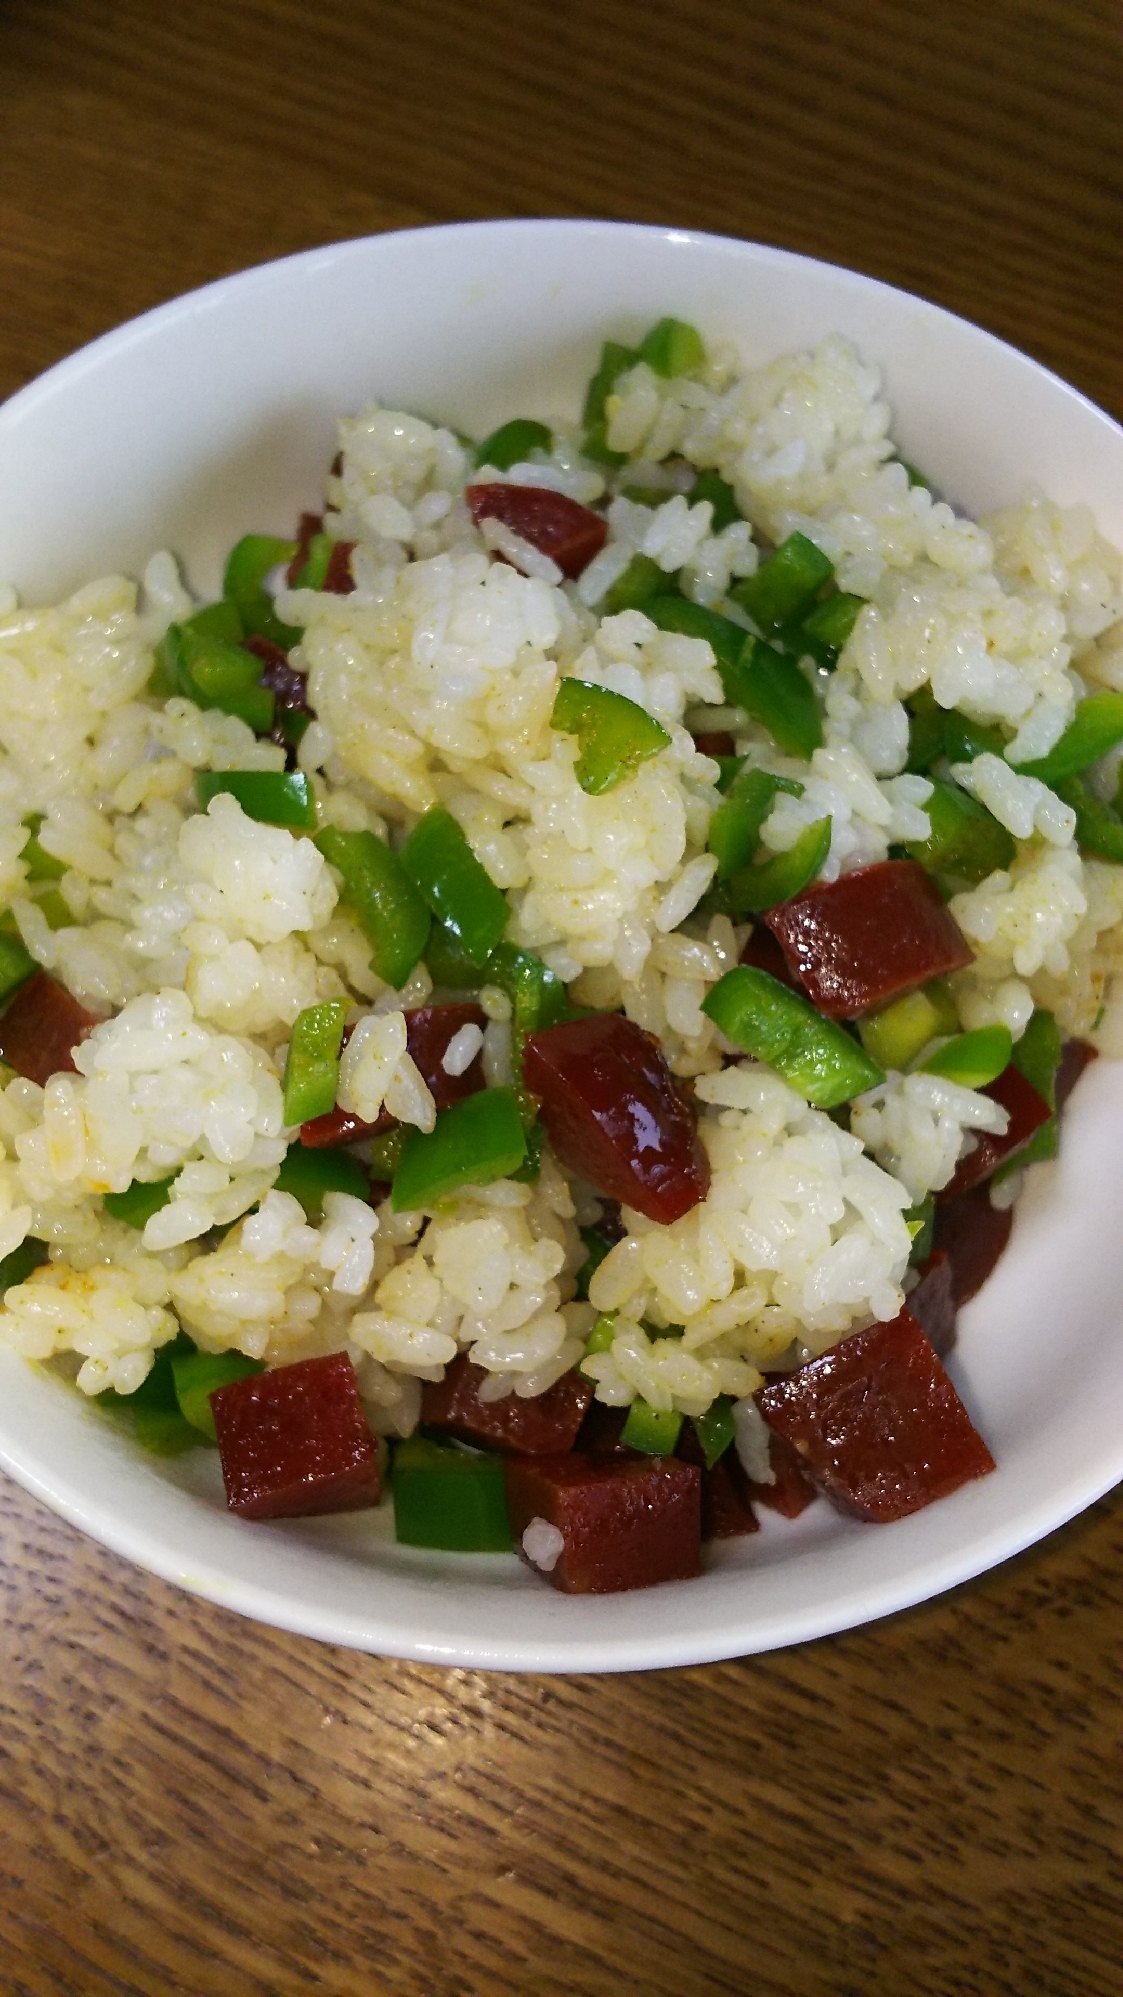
(1099,827)
(972,1059)
(17,1267)
(214,672)
(615,360)
(140,1200)
(735,825)
(964,739)
(312,1062)
(459,891)
(54,909)
(785,586)
(378,888)
(895,1036)
(771,688)
(723,499)
(16,965)
(692,620)
(825,631)
(815,1056)
(921,1223)
(653,1430)
(385,1154)
(926,731)
(198,1375)
(513,443)
(672,347)
(475,1141)
(153,1411)
(313,571)
(309,1174)
(753,889)
(1038,1056)
(966,842)
(715,1429)
(243,585)
(602,1334)
(445,1498)
(41,865)
(1096,727)
(447,965)
(640,582)
(538,998)
(616,734)
(273,797)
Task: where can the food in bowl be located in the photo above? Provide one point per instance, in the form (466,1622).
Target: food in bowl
(561,968)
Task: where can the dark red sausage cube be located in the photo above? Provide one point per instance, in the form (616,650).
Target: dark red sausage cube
(727,1511)
(717,743)
(869,937)
(310,525)
(878,1424)
(41,1027)
(972,1234)
(295,1442)
(791,1489)
(429,1029)
(933,1302)
(1027,1112)
(625,1521)
(338,580)
(763,953)
(539,1425)
(569,533)
(614,1113)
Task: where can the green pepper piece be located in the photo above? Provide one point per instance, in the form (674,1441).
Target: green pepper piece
(243,585)
(313,572)
(964,739)
(616,735)
(753,889)
(772,689)
(308,1175)
(447,965)
(634,589)
(293,723)
(41,865)
(926,731)
(715,1429)
(446,1498)
(390,912)
(153,1412)
(385,1153)
(650,1429)
(597,1246)
(916,477)
(477,1140)
(602,1334)
(895,1036)
(312,1062)
(538,998)
(921,1223)
(785,586)
(459,891)
(972,1059)
(672,348)
(198,1375)
(615,360)
(513,442)
(216,620)
(16,965)
(966,842)
(17,1267)
(815,1056)
(273,797)
(1096,727)
(1037,1055)
(1099,827)
(735,825)
(723,499)
(140,1200)
(725,638)
(55,910)
(730,768)
(215,673)
(824,633)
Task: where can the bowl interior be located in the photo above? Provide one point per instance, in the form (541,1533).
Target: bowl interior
(216,414)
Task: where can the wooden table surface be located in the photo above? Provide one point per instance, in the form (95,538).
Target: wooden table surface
(189,1803)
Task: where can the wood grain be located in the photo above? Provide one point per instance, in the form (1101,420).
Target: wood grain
(192,1804)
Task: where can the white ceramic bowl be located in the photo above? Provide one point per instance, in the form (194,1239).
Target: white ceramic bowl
(216,414)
